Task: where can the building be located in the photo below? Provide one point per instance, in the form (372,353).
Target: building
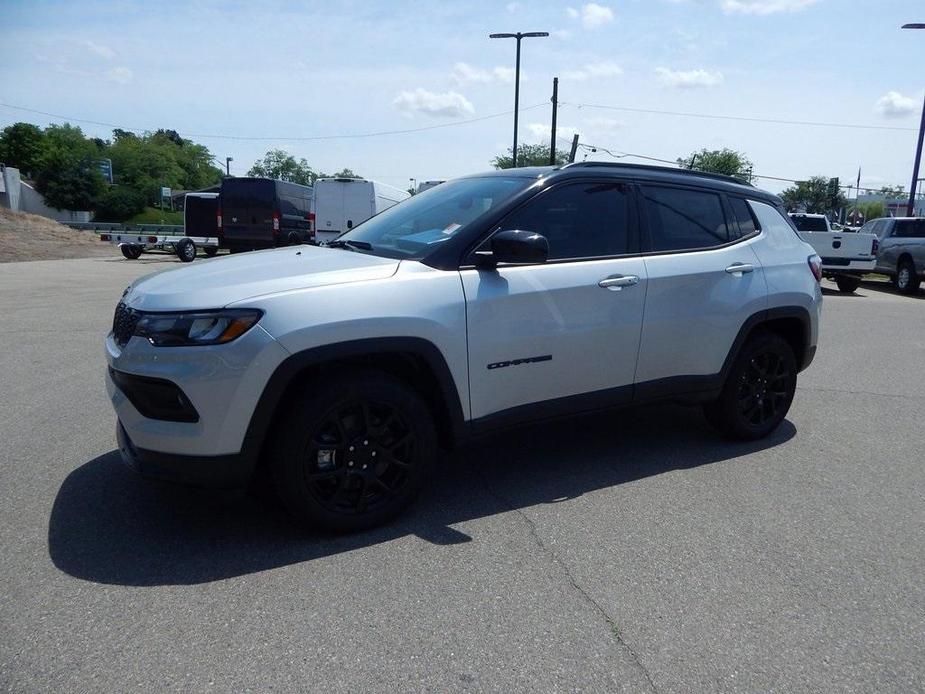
(895,207)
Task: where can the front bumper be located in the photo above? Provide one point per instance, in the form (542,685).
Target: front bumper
(222,383)
(223,471)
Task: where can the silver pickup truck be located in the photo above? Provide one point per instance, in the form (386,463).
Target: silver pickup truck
(846,255)
(901,253)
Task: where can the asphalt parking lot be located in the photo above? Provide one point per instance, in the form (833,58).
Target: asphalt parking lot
(629,552)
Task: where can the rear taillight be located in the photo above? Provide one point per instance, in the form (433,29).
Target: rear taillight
(311,224)
(104,237)
(815,266)
(152,239)
(218,221)
(276,222)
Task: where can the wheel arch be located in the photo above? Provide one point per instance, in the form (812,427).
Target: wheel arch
(414,360)
(792,323)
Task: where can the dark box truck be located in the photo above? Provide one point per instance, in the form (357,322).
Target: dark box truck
(263,213)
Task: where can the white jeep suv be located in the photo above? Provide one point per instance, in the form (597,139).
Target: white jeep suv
(487,301)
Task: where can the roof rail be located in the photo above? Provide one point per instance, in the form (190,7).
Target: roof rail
(647,167)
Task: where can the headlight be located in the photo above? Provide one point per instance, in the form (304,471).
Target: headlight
(200,328)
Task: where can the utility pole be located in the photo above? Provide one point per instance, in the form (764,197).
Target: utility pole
(555,112)
(518,36)
(228,161)
(571,156)
(910,208)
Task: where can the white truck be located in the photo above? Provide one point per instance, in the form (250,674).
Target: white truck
(343,203)
(846,255)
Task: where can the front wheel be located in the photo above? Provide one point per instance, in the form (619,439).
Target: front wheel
(352,452)
(847,283)
(758,390)
(906,280)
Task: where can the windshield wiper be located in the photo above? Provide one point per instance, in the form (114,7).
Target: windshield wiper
(350,243)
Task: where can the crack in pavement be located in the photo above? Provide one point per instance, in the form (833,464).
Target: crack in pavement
(860,392)
(585,596)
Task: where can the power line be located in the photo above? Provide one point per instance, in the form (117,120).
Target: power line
(620,155)
(778,121)
(313,138)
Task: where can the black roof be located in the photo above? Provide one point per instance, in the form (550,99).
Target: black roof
(662,174)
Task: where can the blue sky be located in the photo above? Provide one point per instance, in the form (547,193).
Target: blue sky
(289,70)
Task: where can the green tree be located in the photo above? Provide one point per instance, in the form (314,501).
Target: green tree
(281,165)
(870,210)
(343,173)
(721,161)
(893,192)
(68,175)
(118,203)
(818,195)
(528,155)
(22,146)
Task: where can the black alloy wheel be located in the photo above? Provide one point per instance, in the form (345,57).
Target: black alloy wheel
(358,457)
(758,390)
(352,451)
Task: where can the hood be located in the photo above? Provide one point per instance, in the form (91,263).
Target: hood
(222,281)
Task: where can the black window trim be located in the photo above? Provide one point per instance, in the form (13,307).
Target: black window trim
(634,238)
(646,238)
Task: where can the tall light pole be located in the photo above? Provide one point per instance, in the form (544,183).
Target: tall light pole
(910,210)
(518,36)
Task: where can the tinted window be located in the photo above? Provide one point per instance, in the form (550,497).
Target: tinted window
(581,220)
(199,215)
(804,223)
(743,215)
(909,228)
(681,219)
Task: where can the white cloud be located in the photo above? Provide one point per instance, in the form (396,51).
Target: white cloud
(762,7)
(604,126)
(463,73)
(449,104)
(592,15)
(895,105)
(100,50)
(562,34)
(512,7)
(121,74)
(688,78)
(602,69)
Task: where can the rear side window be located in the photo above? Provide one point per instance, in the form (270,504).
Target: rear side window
(682,219)
(909,229)
(743,215)
(580,220)
(804,223)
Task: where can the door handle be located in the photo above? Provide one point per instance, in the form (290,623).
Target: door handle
(616,282)
(740,268)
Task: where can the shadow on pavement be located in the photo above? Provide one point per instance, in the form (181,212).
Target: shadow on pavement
(108,525)
(887,287)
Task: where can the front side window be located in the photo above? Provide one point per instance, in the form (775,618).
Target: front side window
(681,219)
(579,220)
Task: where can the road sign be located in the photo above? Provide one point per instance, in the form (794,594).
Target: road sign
(106,169)
(165,192)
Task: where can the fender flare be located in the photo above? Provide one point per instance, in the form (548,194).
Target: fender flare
(292,366)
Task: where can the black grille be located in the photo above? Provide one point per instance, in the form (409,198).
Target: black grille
(123,323)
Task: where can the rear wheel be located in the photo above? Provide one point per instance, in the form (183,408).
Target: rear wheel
(906,280)
(130,252)
(186,250)
(758,390)
(847,283)
(210,251)
(293,238)
(353,452)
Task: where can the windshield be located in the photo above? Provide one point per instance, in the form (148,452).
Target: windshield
(809,223)
(417,225)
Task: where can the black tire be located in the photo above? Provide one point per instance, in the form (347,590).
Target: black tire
(847,283)
(294,239)
(130,252)
(907,281)
(758,390)
(353,451)
(210,251)
(186,250)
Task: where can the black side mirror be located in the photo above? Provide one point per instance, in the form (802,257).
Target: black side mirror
(514,246)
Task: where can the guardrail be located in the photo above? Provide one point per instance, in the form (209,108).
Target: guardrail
(114,226)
